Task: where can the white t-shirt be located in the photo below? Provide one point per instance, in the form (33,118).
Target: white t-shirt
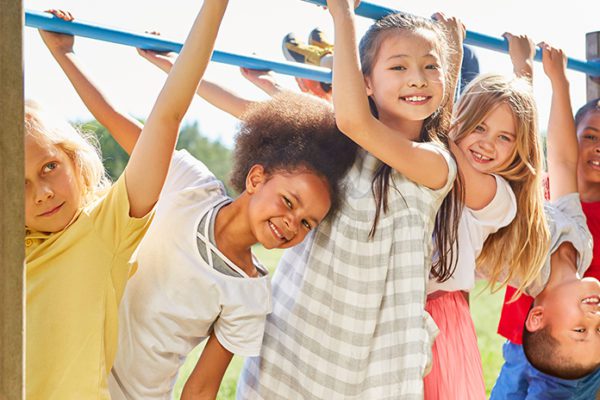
(474,228)
(176,299)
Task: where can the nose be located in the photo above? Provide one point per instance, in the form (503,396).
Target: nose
(417,79)
(291,224)
(43,192)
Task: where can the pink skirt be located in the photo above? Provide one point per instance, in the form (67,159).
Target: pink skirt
(456,372)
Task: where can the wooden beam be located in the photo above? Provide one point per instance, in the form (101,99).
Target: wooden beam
(12,222)
(592,53)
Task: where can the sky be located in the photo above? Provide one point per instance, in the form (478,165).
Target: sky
(258,26)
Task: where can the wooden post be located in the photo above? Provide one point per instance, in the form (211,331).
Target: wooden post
(12,223)
(592,52)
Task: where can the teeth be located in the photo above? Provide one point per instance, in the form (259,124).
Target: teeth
(591,300)
(595,163)
(416,98)
(481,156)
(277,233)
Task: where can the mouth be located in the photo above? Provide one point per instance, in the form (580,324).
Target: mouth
(416,100)
(52,211)
(594,164)
(277,233)
(480,158)
(591,300)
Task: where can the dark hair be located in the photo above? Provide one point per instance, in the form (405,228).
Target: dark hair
(290,133)
(434,129)
(541,350)
(593,105)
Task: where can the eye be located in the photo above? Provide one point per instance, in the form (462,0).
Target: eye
(579,330)
(590,137)
(287,202)
(479,128)
(432,66)
(506,138)
(306,224)
(398,68)
(50,167)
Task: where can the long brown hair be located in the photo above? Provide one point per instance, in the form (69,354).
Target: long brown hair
(523,244)
(434,129)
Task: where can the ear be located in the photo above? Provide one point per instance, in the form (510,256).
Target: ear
(256,176)
(368,85)
(535,319)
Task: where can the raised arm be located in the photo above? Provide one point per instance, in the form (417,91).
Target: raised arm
(562,137)
(521,50)
(419,163)
(122,127)
(149,162)
(220,97)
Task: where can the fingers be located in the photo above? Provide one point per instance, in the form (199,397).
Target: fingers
(64,15)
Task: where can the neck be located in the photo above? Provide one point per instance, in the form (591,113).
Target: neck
(563,266)
(588,191)
(233,235)
(409,129)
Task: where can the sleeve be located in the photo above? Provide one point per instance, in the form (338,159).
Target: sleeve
(241,324)
(452,170)
(567,223)
(112,221)
(499,213)
(187,171)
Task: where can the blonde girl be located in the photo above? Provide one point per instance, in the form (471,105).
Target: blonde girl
(79,242)
(499,156)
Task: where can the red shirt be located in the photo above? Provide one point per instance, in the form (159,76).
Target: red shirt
(514,314)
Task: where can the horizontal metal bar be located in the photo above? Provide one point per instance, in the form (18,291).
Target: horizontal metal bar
(46,21)
(374,11)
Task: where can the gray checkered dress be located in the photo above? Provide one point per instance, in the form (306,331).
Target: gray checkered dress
(348,318)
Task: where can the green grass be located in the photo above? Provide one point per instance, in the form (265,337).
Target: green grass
(485,308)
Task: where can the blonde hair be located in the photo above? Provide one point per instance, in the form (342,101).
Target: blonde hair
(524,243)
(82,148)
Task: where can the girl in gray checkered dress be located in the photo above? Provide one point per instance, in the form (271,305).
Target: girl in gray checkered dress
(348,317)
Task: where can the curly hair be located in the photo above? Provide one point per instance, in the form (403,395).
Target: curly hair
(590,106)
(290,133)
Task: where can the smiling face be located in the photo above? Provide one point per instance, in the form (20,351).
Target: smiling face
(52,189)
(588,135)
(491,145)
(406,80)
(285,206)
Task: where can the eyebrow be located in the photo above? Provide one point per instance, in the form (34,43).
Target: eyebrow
(591,128)
(428,55)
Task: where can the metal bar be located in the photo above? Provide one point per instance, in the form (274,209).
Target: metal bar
(42,20)
(374,11)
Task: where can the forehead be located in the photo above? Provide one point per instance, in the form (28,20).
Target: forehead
(418,43)
(37,149)
(590,120)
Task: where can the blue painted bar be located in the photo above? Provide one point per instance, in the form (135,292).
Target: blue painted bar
(374,11)
(42,20)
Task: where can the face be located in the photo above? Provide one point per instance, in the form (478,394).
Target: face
(52,191)
(285,206)
(491,145)
(572,311)
(588,134)
(407,81)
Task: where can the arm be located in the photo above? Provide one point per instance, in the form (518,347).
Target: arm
(455,34)
(353,116)
(149,162)
(208,373)
(562,139)
(521,50)
(123,128)
(216,95)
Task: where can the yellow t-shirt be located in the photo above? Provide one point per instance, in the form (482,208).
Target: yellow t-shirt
(75,281)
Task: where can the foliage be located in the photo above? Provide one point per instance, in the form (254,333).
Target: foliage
(214,154)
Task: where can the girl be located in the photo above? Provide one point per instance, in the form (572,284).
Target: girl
(197,277)
(78,244)
(498,155)
(348,318)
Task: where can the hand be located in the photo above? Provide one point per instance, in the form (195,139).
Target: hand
(521,50)
(342,6)
(259,77)
(162,59)
(455,30)
(555,63)
(58,42)
(314,88)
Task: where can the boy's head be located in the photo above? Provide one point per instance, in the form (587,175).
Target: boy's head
(587,121)
(562,331)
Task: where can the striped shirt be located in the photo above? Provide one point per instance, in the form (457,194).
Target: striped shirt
(348,318)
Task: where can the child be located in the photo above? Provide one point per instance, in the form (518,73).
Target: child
(498,155)
(518,377)
(78,244)
(197,277)
(348,318)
